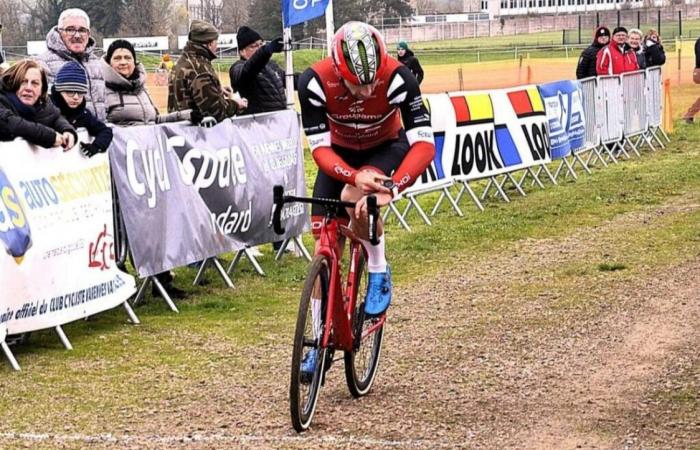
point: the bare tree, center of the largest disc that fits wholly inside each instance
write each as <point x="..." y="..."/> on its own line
<point x="14" y="29"/>
<point x="234" y="14"/>
<point x="147" y="17"/>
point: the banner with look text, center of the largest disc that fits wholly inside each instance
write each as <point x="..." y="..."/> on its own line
<point x="57" y="260"/>
<point x="189" y="193"/>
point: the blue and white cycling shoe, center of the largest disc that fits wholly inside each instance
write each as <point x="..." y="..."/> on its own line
<point x="378" y="293"/>
<point x="308" y="366"/>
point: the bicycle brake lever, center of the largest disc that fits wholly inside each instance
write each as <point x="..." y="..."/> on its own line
<point x="373" y="216"/>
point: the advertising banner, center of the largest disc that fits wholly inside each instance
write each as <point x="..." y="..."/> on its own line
<point x="141" y="43"/>
<point x="564" y="108"/>
<point x="56" y="240"/>
<point x="189" y="193"/>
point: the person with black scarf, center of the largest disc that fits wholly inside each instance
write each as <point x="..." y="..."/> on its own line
<point x="25" y="111"/>
<point x="68" y="94"/>
<point x="408" y="59"/>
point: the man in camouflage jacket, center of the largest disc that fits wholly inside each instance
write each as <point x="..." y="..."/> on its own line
<point x="193" y="83"/>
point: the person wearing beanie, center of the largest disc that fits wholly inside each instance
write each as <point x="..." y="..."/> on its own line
<point x="586" y="66"/>
<point x="127" y="99"/>
<point x="255" y="76"/>
<point x="68" y="94"/>
<point x="408" y="59"/>
<point x="617" y="57"/>
<point x="259" y="79"/>
<point x="193" y="83"/>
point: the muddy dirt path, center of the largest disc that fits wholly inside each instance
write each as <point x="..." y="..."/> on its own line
<point x="532" y="348"/>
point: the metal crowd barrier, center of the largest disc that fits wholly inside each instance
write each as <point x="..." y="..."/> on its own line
<point x="635" y="111"/>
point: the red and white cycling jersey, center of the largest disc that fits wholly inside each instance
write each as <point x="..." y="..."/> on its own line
<point x="332" y="117"/>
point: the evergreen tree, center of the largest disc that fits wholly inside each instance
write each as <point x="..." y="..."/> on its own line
<point x="105" y="15"/>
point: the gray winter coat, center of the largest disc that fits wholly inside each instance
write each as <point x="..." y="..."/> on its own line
<point x="58" y="54"/>
<point x="128" y="101"/>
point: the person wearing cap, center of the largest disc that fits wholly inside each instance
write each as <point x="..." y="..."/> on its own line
<point x="255" y="76"/>
<point x="586" y="66"/>
<point x="27" y="113"/>
<point x="70" y="40"/>
<point x="194" y="84"/>
<point x="617" y="57"/>
<point x="408" y="59"/>
<point x="127" y="99"/>
<point x="68" y="94"/>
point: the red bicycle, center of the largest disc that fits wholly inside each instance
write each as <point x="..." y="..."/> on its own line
<point x="330" y="316"/>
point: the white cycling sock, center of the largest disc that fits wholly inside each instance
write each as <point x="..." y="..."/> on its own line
<point x="376" y="258"/>
<point x="317" y="329"/>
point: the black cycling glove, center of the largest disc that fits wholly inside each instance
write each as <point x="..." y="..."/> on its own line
<point x="90" y="149"/>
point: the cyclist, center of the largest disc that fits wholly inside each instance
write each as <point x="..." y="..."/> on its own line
<point x="353" y="104"/>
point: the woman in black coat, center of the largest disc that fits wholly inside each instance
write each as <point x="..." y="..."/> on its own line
<point x="653" y="50"/>
<point x="26" y="112"/>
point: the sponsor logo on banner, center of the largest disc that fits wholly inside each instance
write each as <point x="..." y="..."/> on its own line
<point x="565" y="116"/>
<point x="529" y="108"/>
<point x="14" y="226"/>
<point x="475" y="149"/>
<point x="101" y="250"/>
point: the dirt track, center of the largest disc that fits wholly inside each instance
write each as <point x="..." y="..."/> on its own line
<point x="493" y="354"/>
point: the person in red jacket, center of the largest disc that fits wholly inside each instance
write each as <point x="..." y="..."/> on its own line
<point x="617" y="57"/>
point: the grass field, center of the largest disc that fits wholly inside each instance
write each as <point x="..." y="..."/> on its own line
<point x="120" y="377"/>
<point x="123" y="379"/>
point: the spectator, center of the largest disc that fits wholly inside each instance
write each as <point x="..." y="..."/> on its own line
<point x="653" y="50"/>
<point x="408" y="59"/>
<point x="128" y="103"/>
<point x="70" y="41"/>
<point x="25" y="111"/>
<point x="166" y="63"/>
<point x="689" y="116"/>
<point x="635" y="43"/>
<point x="68" y="94"/>
<point x="254" y="76"/>
<point x="127" y="100"/>
<point x="193" y="83"/>
<point x="617" y="57"/>
<point x="587" y="61"/>
<point x="258" y="79"/>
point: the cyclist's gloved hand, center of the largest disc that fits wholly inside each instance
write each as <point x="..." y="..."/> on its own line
<point x="276" y="45"/>
<point x="90" y="149"/>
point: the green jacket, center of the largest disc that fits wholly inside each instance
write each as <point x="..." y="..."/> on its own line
<point x="194" y="85"/>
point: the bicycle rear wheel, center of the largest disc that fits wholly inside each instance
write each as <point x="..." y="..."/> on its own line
<point x="304" y="389"/>
<point x="361" y="364"/>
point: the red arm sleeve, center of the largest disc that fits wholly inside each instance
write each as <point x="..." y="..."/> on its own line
<point x="414" y="164"/>
<point x="330" y="163"/>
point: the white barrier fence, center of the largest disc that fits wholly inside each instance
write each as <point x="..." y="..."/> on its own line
<point x="482" y="136"/>
<point x="620" y="114"/>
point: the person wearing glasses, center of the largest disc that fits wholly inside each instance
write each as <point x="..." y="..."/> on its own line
<point x="70" y="41"/>
<point x="68" y="94"/>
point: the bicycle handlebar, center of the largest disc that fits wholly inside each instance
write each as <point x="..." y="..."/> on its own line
<point x="279" y="199"/>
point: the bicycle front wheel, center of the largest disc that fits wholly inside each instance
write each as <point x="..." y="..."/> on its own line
<point x="361" y="364"/>
<point x="308" y="358"/>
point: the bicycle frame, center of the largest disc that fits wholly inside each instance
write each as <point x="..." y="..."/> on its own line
<point x="341" y="302"/>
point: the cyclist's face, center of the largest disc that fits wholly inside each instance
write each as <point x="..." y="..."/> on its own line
<point x="361" y="92"/>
